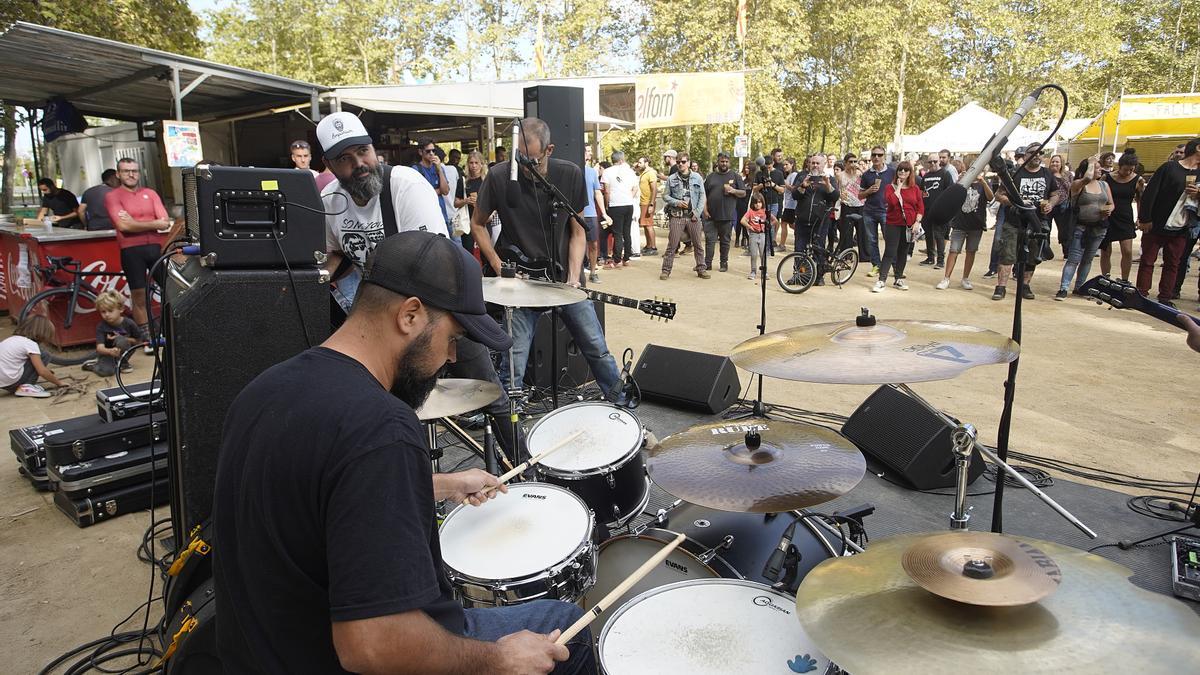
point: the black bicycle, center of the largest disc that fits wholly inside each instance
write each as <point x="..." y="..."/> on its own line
<point x="798" y="271"/>
<point x="64" y="299"/>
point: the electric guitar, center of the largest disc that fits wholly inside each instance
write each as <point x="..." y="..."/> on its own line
<point x="543" y="268"/>
<point x="1124" y="295"/>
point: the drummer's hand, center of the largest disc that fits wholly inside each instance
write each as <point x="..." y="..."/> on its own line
<point x="528" y="652"/>
<point x="471" y="484"/>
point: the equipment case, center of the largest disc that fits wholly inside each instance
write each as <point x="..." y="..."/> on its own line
<point x="99" y="438"/>
<point x="114" y="404"/>
<point x="87" y="511"/>
<point x="104" y="474"/>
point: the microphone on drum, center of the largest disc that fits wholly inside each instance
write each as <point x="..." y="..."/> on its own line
<point x="773" y="570"/>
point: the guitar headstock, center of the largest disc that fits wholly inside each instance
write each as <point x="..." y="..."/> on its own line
<point x="1114" y="292"/>
<point x="658" y="307"/>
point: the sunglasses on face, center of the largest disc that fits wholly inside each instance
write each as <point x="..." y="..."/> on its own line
<point x="428" y="151"/>
<point x="903" y="171"/>
<point x="877" y="154"/>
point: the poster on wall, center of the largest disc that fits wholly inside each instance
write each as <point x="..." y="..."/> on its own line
<point x="678" y="99"/>
<point x="182" y="141"/>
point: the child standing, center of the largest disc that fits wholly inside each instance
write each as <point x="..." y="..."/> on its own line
<point x="23" y="361"/>
<point x="755" y="221"/>
<point x="115" y="334"/>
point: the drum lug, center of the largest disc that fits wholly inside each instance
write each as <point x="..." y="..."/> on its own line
<point x="726" y="543"/>
<point x="612" y="482"/>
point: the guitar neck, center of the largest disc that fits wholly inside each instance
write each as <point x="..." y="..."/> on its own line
<point x="611" y="299"/>
<point x="1164" y="313"/>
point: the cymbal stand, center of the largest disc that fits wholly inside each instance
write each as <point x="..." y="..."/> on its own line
<point x="991" y="456"/>
<point x="514" y="386"/>
<point x="964" y="440"/>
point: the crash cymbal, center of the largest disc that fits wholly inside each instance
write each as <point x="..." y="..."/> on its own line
<point x="981" y="568"/>
<point x="516" y="292"/>
<point x="889" y="352"/>
<point x="794" y="466"/>
<point x="868" y="616"/>
<point x="453" y="396"/>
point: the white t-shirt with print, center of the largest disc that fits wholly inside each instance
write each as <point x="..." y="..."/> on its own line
<point x="355" y="232"/>
<point x="622" y="184"/>
<point x="14" y="352"/>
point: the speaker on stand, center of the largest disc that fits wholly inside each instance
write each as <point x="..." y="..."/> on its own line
<point x="561" y="108"/>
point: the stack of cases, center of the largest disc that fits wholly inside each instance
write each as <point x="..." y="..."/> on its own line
<point x="99" y="467"/>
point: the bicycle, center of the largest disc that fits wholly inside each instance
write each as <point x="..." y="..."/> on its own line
<point x="65" y="299"/>
<point x="798" y="271"/>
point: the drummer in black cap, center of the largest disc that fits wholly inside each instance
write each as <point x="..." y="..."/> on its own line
<point x="327" y="552"/>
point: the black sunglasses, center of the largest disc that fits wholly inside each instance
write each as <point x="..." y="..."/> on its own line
<point x="877" y="154"/>
<point x="429" y="151"/>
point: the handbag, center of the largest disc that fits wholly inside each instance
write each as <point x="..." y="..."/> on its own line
<point x="461" y="222"/>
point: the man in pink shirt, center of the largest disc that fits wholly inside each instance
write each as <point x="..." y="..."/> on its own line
<point x="140" y="219"/>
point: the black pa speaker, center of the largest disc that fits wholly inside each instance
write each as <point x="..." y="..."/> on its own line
<point x="223" y="328"/>
<point x="901" y="433"/>
<point x="573" y="369"/>
<point x="686" y="379"/>
<point x="561" y="108"/>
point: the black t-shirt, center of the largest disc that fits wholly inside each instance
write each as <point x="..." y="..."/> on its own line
<point x="972" y="217"/>
<point x="61" y="202"/>
<point x="525" y="225"/>
<point x="127" y="328"/>
<point x="97" y="213"/>
<point x="1033" y="186"/>
<point x="324" y="512"/>
<point x="720" y="205"/>
<point x="466" y="188"/>
<point x="768" y="179"/>
<point x="1161" y="195"/>
<point x="932" y="184"/>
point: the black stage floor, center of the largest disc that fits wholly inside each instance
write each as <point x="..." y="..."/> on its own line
<point x="899" y="510"/>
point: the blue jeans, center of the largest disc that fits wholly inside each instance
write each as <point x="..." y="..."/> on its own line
<point x="814" y="233"/>
<point x="540" y="616"/>
<point x="772" y="210"/>
<point x="579" y="318"/>
<point x="868" y="229"/>
<point x="1085" y="241"/>
<point x="994" y="261"/>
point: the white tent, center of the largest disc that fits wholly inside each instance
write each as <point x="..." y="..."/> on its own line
<point x="966" y="130"/>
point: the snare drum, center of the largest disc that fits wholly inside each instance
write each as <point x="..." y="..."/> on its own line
<point x="604" y="466"/>
<point x="533" y="543"/>
<point x="709" y="626"/>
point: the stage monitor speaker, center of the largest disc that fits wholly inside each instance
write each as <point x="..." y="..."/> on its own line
<point x="680" y="378"/>
<point x="562" y="109"/>
<point x="223" y="328"/>
<point x="902" y="434"/>
<point x="572" y="366"/>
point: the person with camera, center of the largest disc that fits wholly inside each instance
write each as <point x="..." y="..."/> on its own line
<point x="816" y="195"/>
<point x="1037" y="186"/>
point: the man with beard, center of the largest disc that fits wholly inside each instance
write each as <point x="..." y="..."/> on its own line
<point x="324" y="506"/>
<point x="723" y="188"/>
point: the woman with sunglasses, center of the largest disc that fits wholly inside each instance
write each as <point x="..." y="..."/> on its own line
<point x="905" y="207"/>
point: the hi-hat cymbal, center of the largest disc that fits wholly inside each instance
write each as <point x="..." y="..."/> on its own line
<point x="453" y="396"/>
<point x="794" y="466"/>
<point x="868" y="616"/>
<point x="890" y="352"/>
<point x="981" y="568"/>
<point x="516" y="292"/>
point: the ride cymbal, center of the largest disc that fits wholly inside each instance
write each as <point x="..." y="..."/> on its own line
<point x="888" y="352"/>
<point x="453" y="396"/>
<point x="981" y="568"/>
<point x="514" y="292"/>
<point x="793" y="466"/>
<point x="868" y="616"/>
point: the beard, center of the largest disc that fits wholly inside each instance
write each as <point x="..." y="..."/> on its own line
<point x="364" y="184"/>
<point x="411" y="385"/>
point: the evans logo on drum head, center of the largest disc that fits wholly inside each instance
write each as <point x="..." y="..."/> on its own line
<point x="530" y="495"/>
<point x="676" y="566"/>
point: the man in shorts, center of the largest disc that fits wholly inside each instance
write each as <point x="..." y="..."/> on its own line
<point x="141" y="222"/>
<point x="967" y="228"/>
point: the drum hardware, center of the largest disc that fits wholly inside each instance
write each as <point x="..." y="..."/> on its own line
<point x="516" y="471"/>
<point x="964" y="440"/>
<point x="660" y="517"/>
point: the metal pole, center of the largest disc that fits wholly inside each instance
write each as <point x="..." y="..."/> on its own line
<point x="33" y="144"/>
<point x="964" y="440"/>
<point x="175" y="94"/>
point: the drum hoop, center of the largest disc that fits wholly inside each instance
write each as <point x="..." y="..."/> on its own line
<point x="570" y="474"/>
<point x="685" y="547"/>
<point x="577" y="553"/>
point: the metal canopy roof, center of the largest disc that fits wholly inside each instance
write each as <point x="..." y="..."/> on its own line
<point x="116" y="80"/>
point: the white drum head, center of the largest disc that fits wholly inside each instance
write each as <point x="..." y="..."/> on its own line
<point x="609" y="435"/>
<point x="531" y="529"/>
<point x="712" y="626"/>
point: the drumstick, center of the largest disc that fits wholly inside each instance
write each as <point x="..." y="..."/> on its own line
<point x="616" y="593"/>
<point x="504" y="478"/>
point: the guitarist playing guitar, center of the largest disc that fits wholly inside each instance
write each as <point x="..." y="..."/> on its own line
<point x="526" y="216"/>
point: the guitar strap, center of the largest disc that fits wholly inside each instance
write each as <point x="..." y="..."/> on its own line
<point x="386" y="208"/>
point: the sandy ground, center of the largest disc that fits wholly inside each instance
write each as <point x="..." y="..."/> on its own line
<point x="1096" y="386"/>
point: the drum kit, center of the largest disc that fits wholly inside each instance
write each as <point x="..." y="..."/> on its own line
<point x="698" y="590"/>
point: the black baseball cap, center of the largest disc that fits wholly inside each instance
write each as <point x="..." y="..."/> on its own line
<point x="442" y="274"/>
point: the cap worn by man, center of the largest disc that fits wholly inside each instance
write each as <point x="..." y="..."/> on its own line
<point x="442" y="274"/>
<point x="671" y="153"/>
<point x="339" y="131"/>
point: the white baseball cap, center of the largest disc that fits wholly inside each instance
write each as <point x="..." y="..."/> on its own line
<point x="340" y="130"/>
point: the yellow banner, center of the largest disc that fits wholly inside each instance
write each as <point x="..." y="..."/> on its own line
<point x="674" y="99"/>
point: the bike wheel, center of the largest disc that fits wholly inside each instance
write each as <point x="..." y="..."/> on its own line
<point x="844" y="265"/>
<point x="54" y="304"/>
<point x="796" y="272"/>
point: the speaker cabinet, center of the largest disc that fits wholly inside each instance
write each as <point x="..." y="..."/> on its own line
<point x="562" y="109"/>
<point x="693" y="380"/>
<point x="223" y="328"/>
<point x="573" y="369"/>
<point x="899" y="432"/>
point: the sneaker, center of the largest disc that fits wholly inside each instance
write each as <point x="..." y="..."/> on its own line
<point x="1061" y="295"/>
<point x="664" y="276"/>
<point x="899" y="283"/>
<point x="90" y="365"/>
<point x="927" y="261"/>
<point x="939" y="265"/>
<point x="608" y="265"/>
<point x="820" y="281"/>
<point x="874" y="271"/>
<point x="943" y="284"/>
<point x="649" y="252"/>
<point x="703" y="274"/>
<point x="626" y="263"/>
<point x="966" y="284"/>
<point x="724" y="267"/>
<point x="126" y="367"/>
<point x="878" y="287"/>
<point x="594" y="277"/>
<point x="635" y="255"/>
<point x="32" y="391"/>
<point x="752" y="276"/>
<point x="989" y="274"/>
<point x="1027" y="293"/>
<point x="148" y="349"/>
<point x="998" y="294"/>
<point x="1167" y="303"/>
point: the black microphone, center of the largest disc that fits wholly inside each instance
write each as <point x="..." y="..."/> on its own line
<point x="773" y="570"/>
<point x="942" y="209"/>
